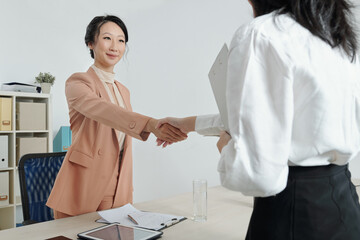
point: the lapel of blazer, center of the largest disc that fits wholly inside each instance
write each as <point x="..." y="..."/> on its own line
<point x="99" y="85"/>
<point x="124" y="94"/>
<point x="126" y="97"/>
<point x="103" y="94"/>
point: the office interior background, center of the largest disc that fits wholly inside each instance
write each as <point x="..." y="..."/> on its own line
<point x="172" y="45"/>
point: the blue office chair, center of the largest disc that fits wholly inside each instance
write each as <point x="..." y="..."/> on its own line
<point x="37" y="173"/>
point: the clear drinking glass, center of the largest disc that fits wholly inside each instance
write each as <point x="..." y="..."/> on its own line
<point x="199" y="200"/>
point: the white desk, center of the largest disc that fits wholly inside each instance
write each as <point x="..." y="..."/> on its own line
<point x="228" y="216"/>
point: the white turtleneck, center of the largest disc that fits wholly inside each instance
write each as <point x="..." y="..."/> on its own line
<point x="108" y="80"/>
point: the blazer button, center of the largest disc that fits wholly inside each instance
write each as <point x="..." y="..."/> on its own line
<point x="132" y="125"/>
<point x="99" y="152"/>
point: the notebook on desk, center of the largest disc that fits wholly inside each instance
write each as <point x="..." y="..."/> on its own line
<point x="128" y="215"/>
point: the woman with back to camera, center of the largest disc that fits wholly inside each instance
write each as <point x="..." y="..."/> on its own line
<point x="293" y="99"/>
<point x="97" y="171"/>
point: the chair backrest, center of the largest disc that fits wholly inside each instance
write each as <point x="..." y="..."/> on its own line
<point x="37" y="173"/>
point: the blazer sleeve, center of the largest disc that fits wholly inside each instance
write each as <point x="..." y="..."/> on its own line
<point x="81" y="96"/>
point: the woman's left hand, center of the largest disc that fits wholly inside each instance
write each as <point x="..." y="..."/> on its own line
<point x="223" y="141"/>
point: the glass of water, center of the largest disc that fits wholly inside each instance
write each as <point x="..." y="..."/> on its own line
<point x="199" y="200"/>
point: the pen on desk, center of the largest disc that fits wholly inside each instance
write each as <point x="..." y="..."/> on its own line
<point x="133" y="220"/>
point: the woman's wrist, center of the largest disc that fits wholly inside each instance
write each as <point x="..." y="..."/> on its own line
<point x="150" y="125"/>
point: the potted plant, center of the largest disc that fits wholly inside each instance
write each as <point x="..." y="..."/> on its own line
<point x="46" y="80"/>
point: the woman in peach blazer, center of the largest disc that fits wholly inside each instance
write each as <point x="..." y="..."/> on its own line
<point x="95" y="161"/>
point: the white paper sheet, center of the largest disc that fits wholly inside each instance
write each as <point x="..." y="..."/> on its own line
<point x="149" y="220"/>
<point x="119" y="215"/>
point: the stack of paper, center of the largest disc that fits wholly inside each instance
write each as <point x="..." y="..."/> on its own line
<point x="20" y="87"/>
<point x="130" y="216"/>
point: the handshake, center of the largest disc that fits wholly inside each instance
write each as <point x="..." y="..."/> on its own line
<point x="170" y="130"/>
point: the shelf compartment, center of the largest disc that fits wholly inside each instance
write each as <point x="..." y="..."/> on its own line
<point x="31" y="115"/>
<point x="30" y="144"/>
<point x="7" y="219"/>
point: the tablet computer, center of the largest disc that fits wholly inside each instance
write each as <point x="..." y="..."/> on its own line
<point x="116" y="232"/>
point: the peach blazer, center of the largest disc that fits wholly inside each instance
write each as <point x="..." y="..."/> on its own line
<point x="90" y="161"/>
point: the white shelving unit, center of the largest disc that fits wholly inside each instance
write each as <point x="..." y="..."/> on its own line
<point x="12" y="213"/>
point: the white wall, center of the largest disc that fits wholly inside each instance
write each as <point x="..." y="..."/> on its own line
<point x="172" y="44"/>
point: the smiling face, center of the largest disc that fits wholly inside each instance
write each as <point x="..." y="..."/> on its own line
<point x="109" y="46"/>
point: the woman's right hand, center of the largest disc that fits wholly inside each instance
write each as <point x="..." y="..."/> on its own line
<point x="186" y="125"/>
<point x="165" y="132"/>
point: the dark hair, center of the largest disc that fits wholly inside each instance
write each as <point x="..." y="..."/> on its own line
<point x="330" y="20"/>
<point x="93" y="29"/>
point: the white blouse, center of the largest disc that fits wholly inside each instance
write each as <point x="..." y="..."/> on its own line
<point x="292" y="100"/>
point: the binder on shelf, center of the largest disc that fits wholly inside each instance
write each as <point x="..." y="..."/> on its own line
<point x="25" y="145"/>
<point x="4" y="154"/>
<point x="130" y="216"/>
<point x="4" y="188"/>
<point x="20" y="87"/>
<point x="62" y="140"/>
<point x="30" y="116"/>
<point x="5" y="113"/>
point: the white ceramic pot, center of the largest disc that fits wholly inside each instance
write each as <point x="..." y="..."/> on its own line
<point x="45" y="87"/>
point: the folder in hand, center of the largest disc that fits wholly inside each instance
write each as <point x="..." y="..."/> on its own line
<point x="217" y="76"/>
<point x="130" y="216"/>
